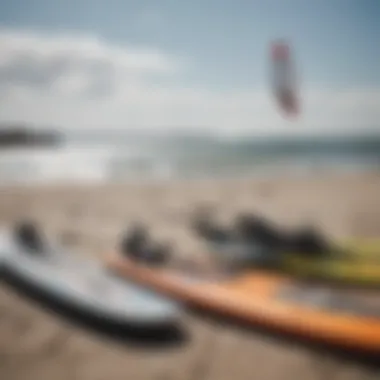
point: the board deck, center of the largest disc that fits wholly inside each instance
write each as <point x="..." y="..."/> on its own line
<point x="86" y="285"/>
<point x="361" y="266"/>
<point x="270" y="300"/>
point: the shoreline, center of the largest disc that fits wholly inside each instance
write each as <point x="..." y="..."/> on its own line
<point x="318" y="174"/>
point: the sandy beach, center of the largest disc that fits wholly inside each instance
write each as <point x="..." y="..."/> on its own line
<point x="89" y="219"/>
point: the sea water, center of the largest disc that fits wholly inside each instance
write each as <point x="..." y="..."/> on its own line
<point x="99" y="157"/>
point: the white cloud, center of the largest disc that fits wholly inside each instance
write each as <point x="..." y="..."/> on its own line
<point x="39" y="61"/>
<point x="82" y="81"/>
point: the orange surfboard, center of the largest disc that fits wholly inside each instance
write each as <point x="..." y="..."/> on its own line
<point x="269" y="300"/>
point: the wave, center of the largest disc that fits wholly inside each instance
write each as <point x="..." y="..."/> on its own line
<point x="55" y="165"/>
<point x="80" y="164"/>
<point x="106" y="162"/>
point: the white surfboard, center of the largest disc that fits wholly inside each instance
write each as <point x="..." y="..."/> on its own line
<point x="85" y="285"/>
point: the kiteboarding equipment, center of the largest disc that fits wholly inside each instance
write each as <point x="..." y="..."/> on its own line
<point x="283" y="78"/>
<point x="306" y="253"/>
<point x="276" y="302"/>
<point x="137" y="244"/>
<point x="79" y="283"/>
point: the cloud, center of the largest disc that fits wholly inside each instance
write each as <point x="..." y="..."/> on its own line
<point x="78" y="64"/>
<point x="83" y="81"/>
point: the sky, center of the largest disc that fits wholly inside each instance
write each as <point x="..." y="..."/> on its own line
<point x="179" y="64"/>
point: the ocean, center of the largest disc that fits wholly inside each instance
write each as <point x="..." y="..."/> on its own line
<point x="105" y="156"/>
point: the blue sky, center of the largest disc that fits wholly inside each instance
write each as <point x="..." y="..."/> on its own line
<point x="336" y="42"/>
<point x="224" y="42"/>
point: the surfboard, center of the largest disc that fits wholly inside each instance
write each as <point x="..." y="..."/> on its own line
<point x="85" y="286"/>
<point x="355" y="263"/>
<point x="276" y="302"/>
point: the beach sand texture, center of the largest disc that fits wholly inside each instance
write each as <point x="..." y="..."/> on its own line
<point x="37" y="345"/>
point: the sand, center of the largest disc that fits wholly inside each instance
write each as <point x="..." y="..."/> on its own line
<point x="37" y="345"/>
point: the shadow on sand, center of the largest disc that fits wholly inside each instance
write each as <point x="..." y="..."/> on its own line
<point x="168" y="335"/>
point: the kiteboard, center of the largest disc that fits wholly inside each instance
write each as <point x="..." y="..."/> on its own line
<point x="84" y="285"/>
<point x="350" y="263"/>
<point x="273" y="301"/>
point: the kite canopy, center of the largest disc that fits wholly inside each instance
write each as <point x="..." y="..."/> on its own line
<point x="283" y="76"/>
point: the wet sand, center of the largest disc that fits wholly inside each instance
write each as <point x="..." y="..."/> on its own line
<point x="37" y="345"/>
